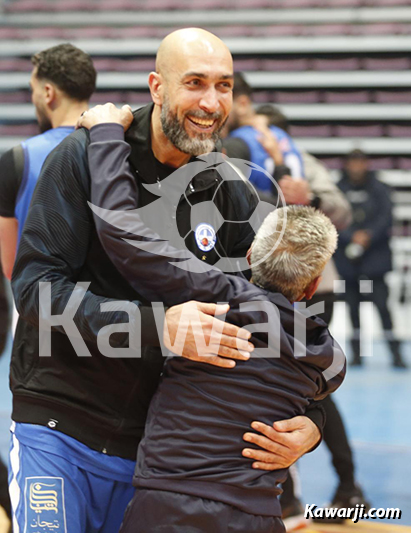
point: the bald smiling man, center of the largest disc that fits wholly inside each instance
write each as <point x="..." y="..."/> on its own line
<point x="79" y="415"/>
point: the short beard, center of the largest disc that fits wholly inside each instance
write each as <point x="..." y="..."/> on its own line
<point x="44" y="123"/>
<point x="175" y="132"/>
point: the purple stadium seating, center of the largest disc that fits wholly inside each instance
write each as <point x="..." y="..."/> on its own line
<point x="318" y="130"/>
<point x="393" y="97"/>
<point x="132" y="65"/>
<point x="255" y="4"/>
<point x="277" y="30"/>
<point x="386" y="3"/>
<point x="347" y="97"/>
<point x="387" y="63"/>
<point x="20" y="130"/>
<point x="15" y="97"/>
<point x="333" y="163"/>
<point x="395" y="130"/>
<point x="371" y="130"/>
<point x="27" y="5"/>
<point x="52" y="32"/>
<point x="15" y="64"/>
<point x="383" y="28"/>
<point x="134" y="32"/>
<point x="9" y="33"/>
<point x="341" y="3"/>
<point x="304" y="97"/>
<point x="241" y="65"/>
<point x="288" y="4"/>
<point x="381" y="163"/>
<point x="133" y="97"/>
<point x="404" y="163"/>
<point x="278" y="65"/>
<point x="350" y="63"/>
<point x="263" y="97"/>
<point x="327" y="29"/>
<point x="105" y="97"/>
<point x="232" y="31"/>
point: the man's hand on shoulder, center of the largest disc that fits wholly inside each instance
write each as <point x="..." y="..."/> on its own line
<point x="192" y="331"/>
<point x="283" y="443"/>
<point x="104" y="114"/>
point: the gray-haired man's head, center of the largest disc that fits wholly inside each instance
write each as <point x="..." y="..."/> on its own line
<point x="296" y="263"/>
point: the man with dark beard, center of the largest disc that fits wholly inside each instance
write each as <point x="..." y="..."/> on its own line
<point x="62" y="82"/>
<point x="88" y="410"/>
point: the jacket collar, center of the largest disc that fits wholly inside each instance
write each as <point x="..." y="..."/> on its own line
<point x="142" y="158"/>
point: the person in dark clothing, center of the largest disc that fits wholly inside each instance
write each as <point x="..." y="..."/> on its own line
<point x="210" y="476"/>
<point x="86" y="409"/>
<point x="364" y="249"/>
<point x="320" y="190"/>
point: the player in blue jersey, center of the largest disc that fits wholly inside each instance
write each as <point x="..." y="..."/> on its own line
<point x="249" y="139"/>
<point x="62" y="82"/>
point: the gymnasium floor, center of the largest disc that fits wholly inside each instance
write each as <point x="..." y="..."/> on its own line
<point x="375" y="401"/>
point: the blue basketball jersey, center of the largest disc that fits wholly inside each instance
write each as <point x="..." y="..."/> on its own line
<point x="35" y="151"/>
<point x="291" y="154"/>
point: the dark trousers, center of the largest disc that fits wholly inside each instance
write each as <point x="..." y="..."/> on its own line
<point x="335" y="436"/>
<point x="379" y="297"/>
<point x="156" y="511"/>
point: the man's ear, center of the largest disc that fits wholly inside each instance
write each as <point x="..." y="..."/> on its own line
<point x="248" y="255"/>
<point x="155" y="83"/>
<point x="50" y="93"/>
<point x="312" y="287"/>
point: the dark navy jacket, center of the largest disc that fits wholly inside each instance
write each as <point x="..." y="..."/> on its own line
<point x="100" y="401"/>
<point x="372" y="210"/>
<point x="193" y="437"/>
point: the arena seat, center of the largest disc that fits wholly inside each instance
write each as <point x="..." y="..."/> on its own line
<point x="388" y="97"/>
<point x="370" y="130"/>
<point x="327" y="29"/>
<point x="14" y="97"/>
<point x="303" y="97"/>
<point x="278" y="65"/>
<point x="278" y="30"/>
<point x="326" y="64"/>
<point x="24" y="130"/>
<point x="404" y="163"/>
<point x="389" y="63"/>
<point x="381" y="163"/>
<point x="16" y="64"/>
<point x="347" y="97"/>
<point x="388" y="28"/>
<point x="318" y="130"/>
<point x="396" y="130"/>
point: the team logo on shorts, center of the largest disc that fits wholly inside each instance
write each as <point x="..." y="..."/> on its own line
<point x="205" y="237"/>
<point x="44" y="500"/>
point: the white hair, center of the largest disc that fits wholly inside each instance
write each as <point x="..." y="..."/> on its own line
<point x="308" y="242"/>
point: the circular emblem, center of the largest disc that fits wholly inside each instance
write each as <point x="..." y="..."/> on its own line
<point x="205" y="237"/>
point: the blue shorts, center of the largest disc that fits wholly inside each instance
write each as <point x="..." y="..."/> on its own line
<point x="59" y="485"/>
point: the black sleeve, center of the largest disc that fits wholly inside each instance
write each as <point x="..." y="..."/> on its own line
<point x="11" y="174"/>
<point x="138" y="253"/>
<point x="316" y="413"/>
<point x="236" y="148"/>
<point x="55" y="242"/>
